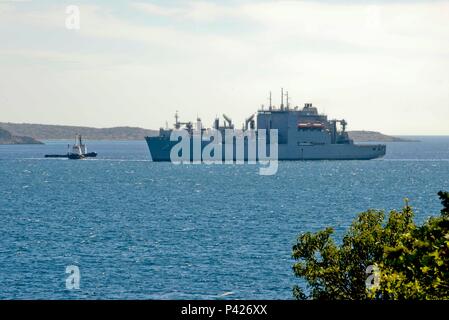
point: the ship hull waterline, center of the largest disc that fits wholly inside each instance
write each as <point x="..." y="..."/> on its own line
<point x="160" y="150"/>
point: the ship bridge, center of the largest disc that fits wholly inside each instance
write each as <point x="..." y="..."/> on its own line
<point x="304" y="125"/>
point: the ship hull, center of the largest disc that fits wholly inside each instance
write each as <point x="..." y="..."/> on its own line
<point x="160" y="151"/>
<point x="72" y="156"/>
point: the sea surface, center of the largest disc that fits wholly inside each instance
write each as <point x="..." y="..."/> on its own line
<point x="143" y="230"/>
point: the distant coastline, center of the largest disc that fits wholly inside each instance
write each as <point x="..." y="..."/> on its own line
<point x="61" y="132"/>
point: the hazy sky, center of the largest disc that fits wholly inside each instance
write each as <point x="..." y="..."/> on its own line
<point x="381" y="65"/>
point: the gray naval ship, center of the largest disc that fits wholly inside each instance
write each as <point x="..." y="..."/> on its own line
<point x="303" y="134"/>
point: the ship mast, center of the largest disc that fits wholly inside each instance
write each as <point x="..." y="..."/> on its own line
<point x="177" y="124"/>
<point x="282" y="98"/>
<point x="271" y="105"/>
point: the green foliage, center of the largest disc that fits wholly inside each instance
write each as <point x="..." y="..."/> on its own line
<point x="413" y="260"/>
<point x="444" y="196"/>
<point x="418" y="267"/>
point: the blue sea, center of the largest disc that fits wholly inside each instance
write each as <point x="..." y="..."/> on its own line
<point x="143" y="230"/>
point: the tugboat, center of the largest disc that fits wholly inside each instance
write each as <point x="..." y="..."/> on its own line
<point x="79" y="151"/>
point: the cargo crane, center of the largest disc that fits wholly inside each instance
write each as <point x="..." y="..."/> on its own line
<point x="343" y="135"/>
<point x="251" y="122"/>
<point x="229" y="121"/>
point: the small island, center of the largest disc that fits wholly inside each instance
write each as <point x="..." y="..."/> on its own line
<point x="374" y="136"/>
<point x="7" y="138"/>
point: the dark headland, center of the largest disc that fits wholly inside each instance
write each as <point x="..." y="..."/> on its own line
<point x="7" y="138"/>
<point x="55" y="132"/>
